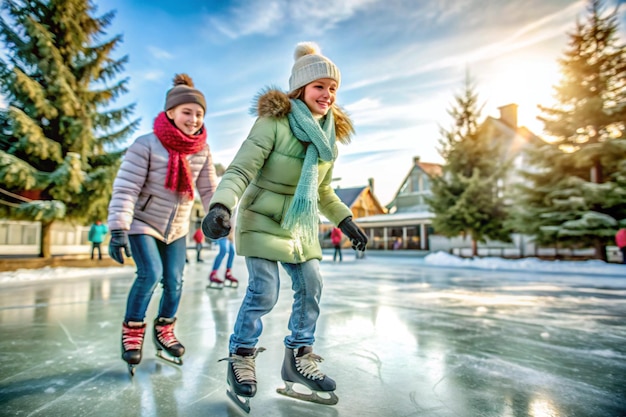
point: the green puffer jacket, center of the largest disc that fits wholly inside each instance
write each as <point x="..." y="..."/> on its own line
<point x="264" y="175"/>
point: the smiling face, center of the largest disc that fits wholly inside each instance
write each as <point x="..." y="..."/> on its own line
<point x="187" y="117"/>
<point x="319" y="95"/>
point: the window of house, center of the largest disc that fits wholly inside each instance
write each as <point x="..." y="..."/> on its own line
<point x="412" y="237"/>
<point x="377" y="235"/>
<point x="415" y="181"/>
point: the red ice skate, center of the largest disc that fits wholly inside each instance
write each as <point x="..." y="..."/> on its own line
<point x="132" y="342"/>
<point x="230" y="280"/>
<point x="165" y="340"/>
<point x="214" y="281"/>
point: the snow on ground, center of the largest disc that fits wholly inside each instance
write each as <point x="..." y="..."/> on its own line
<point x="591" y="267"/>
<point x="47" y="273"/>
<point x="439" y="259"/>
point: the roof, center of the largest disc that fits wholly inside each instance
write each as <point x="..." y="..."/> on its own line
<point x="348" y="196"/>
<point x="513" y="139"/>
<point x="433" y="170"/>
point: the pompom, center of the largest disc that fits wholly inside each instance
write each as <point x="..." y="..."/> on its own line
<point x="183" y="79"/>
<point x="306" y="48"/>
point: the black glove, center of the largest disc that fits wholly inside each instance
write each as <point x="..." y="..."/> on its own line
<point x="354" y="233"/>
<point x="119" y="241"/>
<point x="216" y="223"/>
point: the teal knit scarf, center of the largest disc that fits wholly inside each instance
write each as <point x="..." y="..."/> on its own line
<point x="302" y="217"/>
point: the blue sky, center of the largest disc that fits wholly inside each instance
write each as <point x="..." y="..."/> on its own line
<point x="402" y="61"/>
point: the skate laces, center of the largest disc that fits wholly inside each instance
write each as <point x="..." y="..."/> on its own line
<point x="243" y="366"/>
<point x="307" y="366"/>
<point x="132" y="337"/>
<point x="165" y="334"/>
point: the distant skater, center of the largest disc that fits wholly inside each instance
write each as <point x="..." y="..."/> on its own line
<point x="226" y="249"/>
<point x="335" y="239"/>
<point x="198" y="237"/>
<point x="620" y="240"/>
<point x="97" y="232"/>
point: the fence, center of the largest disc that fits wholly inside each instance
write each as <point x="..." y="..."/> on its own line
<point x="24" y="238"/>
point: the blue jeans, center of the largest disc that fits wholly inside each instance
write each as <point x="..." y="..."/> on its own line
<point x="156" y="262"/>
<point x="226" y="246"/>
<point x="262" y="295"/>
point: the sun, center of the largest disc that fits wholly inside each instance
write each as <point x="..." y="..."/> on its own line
<point x="526" y="81"/>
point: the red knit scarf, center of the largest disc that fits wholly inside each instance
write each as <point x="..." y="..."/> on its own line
<point x="178" y="145"/>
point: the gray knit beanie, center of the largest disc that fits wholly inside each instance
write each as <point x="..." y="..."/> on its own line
<point x="183" y="92"/>
<point x="311" y="65"/>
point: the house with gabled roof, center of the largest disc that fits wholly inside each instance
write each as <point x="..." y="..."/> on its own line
<point x="408" y="223"/>
<point x="409" y="216"/>
<point x="360" y="200"/>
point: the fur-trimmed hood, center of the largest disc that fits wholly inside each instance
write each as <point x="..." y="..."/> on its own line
<point x="272" y="102"/>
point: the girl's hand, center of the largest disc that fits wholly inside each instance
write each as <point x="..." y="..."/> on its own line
<point x="354" y="233"/>
<point x="216" y="223"/>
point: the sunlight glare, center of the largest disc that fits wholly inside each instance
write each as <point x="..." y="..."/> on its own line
<point x="526" y="82"/>
<point x="541" y="407"/>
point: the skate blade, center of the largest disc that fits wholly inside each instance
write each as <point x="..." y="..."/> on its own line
<point x="131" y="369"/>
<point x="170" y="359"/>
<point x="318" y="397"/>
<point x="231" y="284"/>
<point x="242" y="402"/>
<point x="215" y="286"/>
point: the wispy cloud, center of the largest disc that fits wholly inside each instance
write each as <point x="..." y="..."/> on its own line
<point x="417" y="58"/>
<point x="154" y="75"/>
<point x="270" y="17"/>
<point x="159" y="53"/>
<point x="228" y="112"/>
<point x="308" y="15"/>
<point x="249" y="18"/>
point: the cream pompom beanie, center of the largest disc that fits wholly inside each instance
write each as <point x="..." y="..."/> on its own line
<point x="311" y="65"/>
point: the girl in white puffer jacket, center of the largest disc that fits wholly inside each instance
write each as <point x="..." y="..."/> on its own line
<point x="149" y="214"/>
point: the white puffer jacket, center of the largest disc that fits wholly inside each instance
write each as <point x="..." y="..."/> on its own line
<point x="140" y="202"/>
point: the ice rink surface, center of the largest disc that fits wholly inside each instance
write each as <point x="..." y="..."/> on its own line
<point x="400" y="337"/>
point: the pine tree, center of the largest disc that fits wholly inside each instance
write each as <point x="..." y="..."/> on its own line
<point x="466" y="199"/>
<point x="59" y="80"/>
<point x="575" y="194"/>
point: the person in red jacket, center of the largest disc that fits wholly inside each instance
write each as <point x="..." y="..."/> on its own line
<point x="198" y="237"/>
<point x="620" y="240"/>
<point x="335" y="238"/>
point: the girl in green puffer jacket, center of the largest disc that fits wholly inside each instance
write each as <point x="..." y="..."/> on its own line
<point x="279" y="179"/>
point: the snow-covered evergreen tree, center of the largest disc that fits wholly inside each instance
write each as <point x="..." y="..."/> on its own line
<point x="59" y="80"/>
<point x="574" y="195"/>
<point x="466" y="199"/>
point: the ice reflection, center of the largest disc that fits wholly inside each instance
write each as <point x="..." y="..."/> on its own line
<point x="542" y="407"/>
<point x="391" y="329"/>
